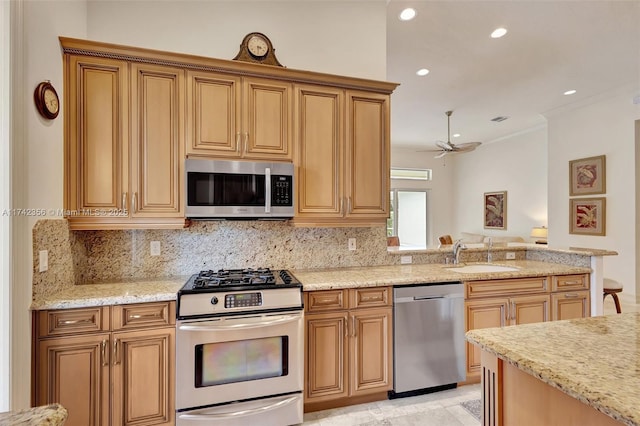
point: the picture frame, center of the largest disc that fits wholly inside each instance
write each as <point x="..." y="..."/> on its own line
<point x="587" y="216"/>
<point x="495" y="210"/>
<point x="587" y="176"/>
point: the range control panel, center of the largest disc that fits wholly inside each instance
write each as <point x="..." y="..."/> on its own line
<point x="242" y="300"/>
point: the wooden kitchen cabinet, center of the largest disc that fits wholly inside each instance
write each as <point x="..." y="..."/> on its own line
<point x="348" y="351"/>
<point x="342" y="161"/>
<point x="121" y="372"/>
<point x="570" y="305"/>
<point x="124" y="150"/>
<point x="238" y="117"/>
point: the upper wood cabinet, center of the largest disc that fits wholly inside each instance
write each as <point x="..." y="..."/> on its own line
<point x="238" y="117"/>
<point x="133" y="115"/>
<point x="124" y="163"/>
<point x="342" y="161"/>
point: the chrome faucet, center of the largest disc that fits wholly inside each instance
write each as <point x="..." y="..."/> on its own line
<point x="489" y="246"/>
<point x="457" y="247"/>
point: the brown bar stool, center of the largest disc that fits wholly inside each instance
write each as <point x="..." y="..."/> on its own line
<point x="612" y="287"/>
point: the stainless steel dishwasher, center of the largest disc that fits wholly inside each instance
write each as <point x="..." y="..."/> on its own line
<point x="429" y="343"/>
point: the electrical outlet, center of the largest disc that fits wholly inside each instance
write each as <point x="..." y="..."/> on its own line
<point x="352" y="244"/>
<point x="155" y="248"/>
<point x="510" y="255"/>
<point x="405" y="259"/>
<point x="44" y="260"/>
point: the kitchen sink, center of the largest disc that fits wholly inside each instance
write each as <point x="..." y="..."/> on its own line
<point x="480" y="268"/>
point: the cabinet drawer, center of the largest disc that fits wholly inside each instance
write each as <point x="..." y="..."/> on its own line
<point x="369" y="297"/>
<point x="71" y="321"/>
<point x="570" y="282"/>
<point x="326" y="300"/>
<point x="155" y="314"/>
<point x="475" y="289"/>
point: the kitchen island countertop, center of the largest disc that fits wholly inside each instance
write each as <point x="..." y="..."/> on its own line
<point x="45" y="415"/>
<point x="594" y="360"/>
<point x="373" y="276"/>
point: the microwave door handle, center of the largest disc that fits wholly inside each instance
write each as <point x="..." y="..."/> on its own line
<point x="267" y="190"/>
<point x="240" y="413"/>
<point x="239" y="326"/>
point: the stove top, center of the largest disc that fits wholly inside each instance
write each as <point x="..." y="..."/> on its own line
<point x="239" y="279"/>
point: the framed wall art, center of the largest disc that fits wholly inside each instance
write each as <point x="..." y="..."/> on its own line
<point x="587" y="216"/>
<point x="587" y="176"/>
<point x="495" y="210"/>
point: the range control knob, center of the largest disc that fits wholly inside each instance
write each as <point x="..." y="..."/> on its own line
<point x="214" y="300"/>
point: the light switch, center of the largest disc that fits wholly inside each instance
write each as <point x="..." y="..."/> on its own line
<point x="44" y="260"/>
<point x="510" y="255"/>
<point x="352" y="244"/>
<point x="155" y="248"/>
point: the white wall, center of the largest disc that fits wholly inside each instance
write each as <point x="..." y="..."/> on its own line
<point x="345" y="38"/>
<point x="604" y="127"/>
<point x="517" y="165"/>
<point x="439" y="198"/>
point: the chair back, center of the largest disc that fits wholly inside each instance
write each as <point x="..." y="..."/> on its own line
<point x="393" y="241"/>
<point x="445" y="240"/>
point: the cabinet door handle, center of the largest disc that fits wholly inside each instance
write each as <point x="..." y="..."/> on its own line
<point x="103" y="353"/>
<point x="134" y="202"/>
<point x="353" y="320"/>
<point x="149" y="316"/>
<point x="572" y="282"/>
<point x="348" y="204"/>
<point x="571" y="295"/>
<point x="115" y="352"/>
<point x="246" y="141"/>
<point x="238" y="143"/>
<point x="504" y="314"/>
<point x="512" y="308"/>
<point x="346" y="327"/>
<point x="79" y="321"/>
<point x="124" y="201"/>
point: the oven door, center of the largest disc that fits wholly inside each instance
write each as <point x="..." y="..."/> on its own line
<point x="228" y="359"/>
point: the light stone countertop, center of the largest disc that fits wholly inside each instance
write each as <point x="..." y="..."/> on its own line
<point x="85" y="295"/>
<point x="584" y="251"/>
<point x="160" y="289"/>
<point x="595" y="360"/>
<point x="373" y="276"/>
<point x="45" y="415"/>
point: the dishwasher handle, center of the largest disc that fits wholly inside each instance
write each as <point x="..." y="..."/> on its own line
<point x="411" y="299"/>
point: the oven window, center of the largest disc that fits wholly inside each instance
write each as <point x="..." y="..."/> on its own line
<point x="222" y="189"/>
<point x="241" y="361"/>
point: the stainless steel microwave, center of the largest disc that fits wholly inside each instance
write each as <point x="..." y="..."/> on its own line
<point x="228" y="189"/>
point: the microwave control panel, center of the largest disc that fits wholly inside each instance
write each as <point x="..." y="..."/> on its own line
<point x="281" y="190"/>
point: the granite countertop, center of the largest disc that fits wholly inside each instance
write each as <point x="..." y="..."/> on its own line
<point x="84" y="295"/>
<point x="46" y="415"/>
<point x="373" y="276"/>
<point x="594" y="360"/>
<point x="584" y="251"/>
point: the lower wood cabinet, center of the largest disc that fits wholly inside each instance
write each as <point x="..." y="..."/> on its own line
<point x="497" y="303"/>
<point x="122" y="374"/>
<point x="348" y="346"/>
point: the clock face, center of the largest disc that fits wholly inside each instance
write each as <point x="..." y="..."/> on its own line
<point x="258" y="46"/>
<point x="51" y="101"/>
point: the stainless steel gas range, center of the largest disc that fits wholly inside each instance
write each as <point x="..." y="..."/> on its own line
<point x="239" y="349"/>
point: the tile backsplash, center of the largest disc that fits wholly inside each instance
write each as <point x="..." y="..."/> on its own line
<point x="79" y="257"/>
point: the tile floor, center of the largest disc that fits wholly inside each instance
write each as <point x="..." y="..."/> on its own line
<point x="438" y="409"/>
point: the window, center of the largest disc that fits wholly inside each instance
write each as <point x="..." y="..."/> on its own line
<point x="408" y="217"/>
<point x="411" y="174"/>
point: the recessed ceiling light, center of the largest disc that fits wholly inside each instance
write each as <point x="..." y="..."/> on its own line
<point x="408" y="14"/>
<point x="498" y="32"/>
<point x="422" y="72"/>
<point x="456" y="135"/>
<point x="570" y="92"/>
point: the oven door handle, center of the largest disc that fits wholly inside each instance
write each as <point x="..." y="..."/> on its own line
<point x="240" y="413"/>
<point x="240" y="326"/>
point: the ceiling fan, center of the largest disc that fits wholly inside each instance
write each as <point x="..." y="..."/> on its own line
<point x="444" y="148"/>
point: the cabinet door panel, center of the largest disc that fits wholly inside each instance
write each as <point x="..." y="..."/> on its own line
<point x="97" y="154"/>
<point x="575" y="304"/>
<point x="267" y="119"/>
<point x="74" y="371"/>
<point x="142" y="375"/>
<point x="482" y="314"/>
<point x="529" y="309"/>
<point x="213" y="114"/>
<point x="367" y="157"/>
<point x="371" y="363"/>
<point x="326" y="369"/>
<point x="319" y="124"/>
<point x="158" y="140"/>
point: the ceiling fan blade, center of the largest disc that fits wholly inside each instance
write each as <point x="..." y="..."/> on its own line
<point x="431" y="150"/>
<point x="466" y="147"/>
<point x="442" y="154"/>
<point x="447" y="146"/>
